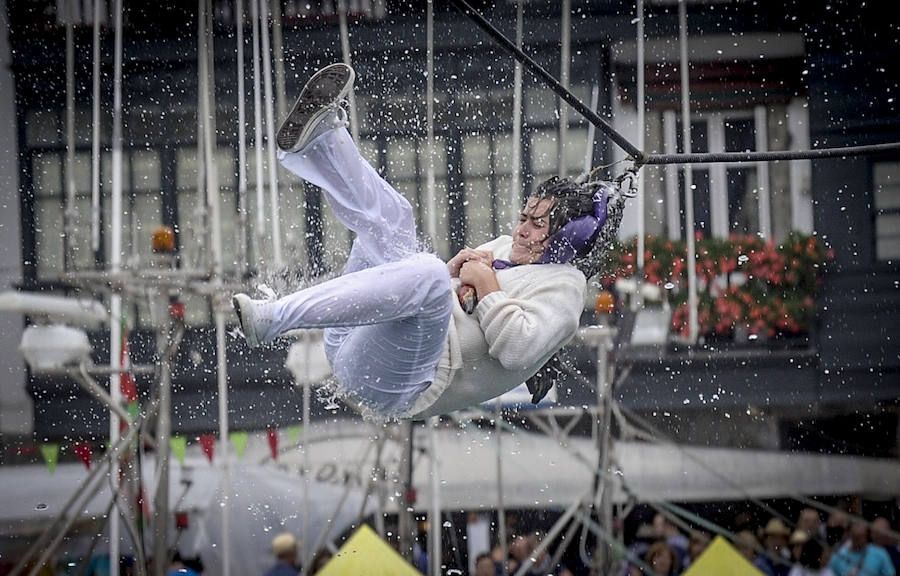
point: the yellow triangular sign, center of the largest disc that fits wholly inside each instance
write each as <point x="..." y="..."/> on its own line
<point x="721" y="559"/>
<point x="366" y="554"/>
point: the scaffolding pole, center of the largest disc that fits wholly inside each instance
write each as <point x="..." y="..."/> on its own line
<point x="515" y="183"/>
<point x="641" y="132"/>
<point x="115" y="326"/>
<point x="688" y="175"/>
<point x="242" y="141"/>
<point x="270" y="137"/>
<point x="565" y="41"/>
<point x="260" y="227"/>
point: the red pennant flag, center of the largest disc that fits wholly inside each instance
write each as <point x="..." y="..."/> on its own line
<point x="126" y="380"/>
<point x="272" y="435"/>
<point x="208" y="442"/>
<point x="83" y="451"/>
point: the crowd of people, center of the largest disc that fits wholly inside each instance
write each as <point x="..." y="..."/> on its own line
<point x="840" y="546"/>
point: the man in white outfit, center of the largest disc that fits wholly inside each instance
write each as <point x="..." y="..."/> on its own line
<point x="399" y="341"/>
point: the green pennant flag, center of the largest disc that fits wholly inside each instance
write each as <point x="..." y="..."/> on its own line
<point x="51" y="455"/>
<point x="178" y="445"/>
<point x="239" y="441"/>
<point x="134" y="410"/>
<point x="293" y="433"/>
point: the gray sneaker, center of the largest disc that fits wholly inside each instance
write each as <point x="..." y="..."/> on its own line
<point x="320" y="97"/>
<point x="254" y="317"/>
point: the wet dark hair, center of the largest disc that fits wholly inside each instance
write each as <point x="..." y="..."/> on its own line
<point x="811" y="554"/>
<point x="570" y="201"/>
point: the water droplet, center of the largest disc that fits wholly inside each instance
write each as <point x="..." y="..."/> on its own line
<point x="41" y="506"/>
<point x="668" y="285"/>
<point x="743" y="258"/>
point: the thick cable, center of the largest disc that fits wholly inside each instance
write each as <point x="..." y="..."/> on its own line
<point x="772" y="156"/>
<point x="548" y="79"/>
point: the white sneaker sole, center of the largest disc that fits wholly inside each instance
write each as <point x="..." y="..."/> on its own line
<point x="326" y="88"/>
<point x="243" y="307"/>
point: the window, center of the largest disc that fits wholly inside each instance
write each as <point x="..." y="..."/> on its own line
<point x="407" y="169"/>
<point x="729" y="197"/>
<point x="886" y="180"/>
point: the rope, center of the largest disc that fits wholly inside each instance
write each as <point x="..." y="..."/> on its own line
<point x="715" y="157"/>
<point x="548" y="79"/>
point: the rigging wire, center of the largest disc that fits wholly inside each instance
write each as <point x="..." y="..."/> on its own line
<point x="638" y="156"/>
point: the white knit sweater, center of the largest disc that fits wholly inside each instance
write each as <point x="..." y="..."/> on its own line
<point x="512" y="333"/>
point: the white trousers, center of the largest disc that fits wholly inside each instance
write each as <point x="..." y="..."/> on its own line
<point x="386" y="317"/>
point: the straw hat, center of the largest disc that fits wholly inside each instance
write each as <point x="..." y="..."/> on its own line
<point x="284" y="543"/>
<point x="776" y="527"/>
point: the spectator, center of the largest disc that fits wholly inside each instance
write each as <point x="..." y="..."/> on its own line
<point x="319" y="561"/>
<point x="668" y="532"/>
<point x="748" y="545"/>
<point x="541" y="565"/>
<point x="796" y="542"/>
<point x="484" y="565"/>
<point x="178" y="567"/>
<point x="811" y="561"/>
<point x="697" y="545"/>
<point x="857" y="557"/>
<point x="662" y="559"/>
<point x="836" y="528"/>
<point x="775" y="542"/>
<point x="882" y="536"/>
<point x="284" y="548"/>
<point x="810" y="522"/>
<point x="644" y="537"/>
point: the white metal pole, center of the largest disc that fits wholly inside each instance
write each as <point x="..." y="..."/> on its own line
<point x="436" y="524"/>
<point x="430" y="199"/>
<point x="434" y="538"/>
<point x="688" y="179"/>
<point x="278" y="51"/>
<point x="592" y="133"/>
<point x="501" y="507"/>
<point x="259" y="230"/>
<point x="641" y="129"/>
<point x="345" y="51"/>
<point x="515" y="182"/>
<point x="115" y="258"/>
<point x="565" y="23"/>
<point x="270" y="136"/>
<point x="70" y="213"/>
<point x="242" y="138"/>
<point x="207" y="84"/>
<point x="95" y="135"/>
<point x="762" y="172"/>
<point x="304" y="438"/>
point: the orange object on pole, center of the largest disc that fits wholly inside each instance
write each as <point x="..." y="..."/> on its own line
<point x="605" y="303"/>
<point x="164" y="240"/>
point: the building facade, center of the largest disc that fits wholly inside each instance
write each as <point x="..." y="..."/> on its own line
<point x="782" y="78"/>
